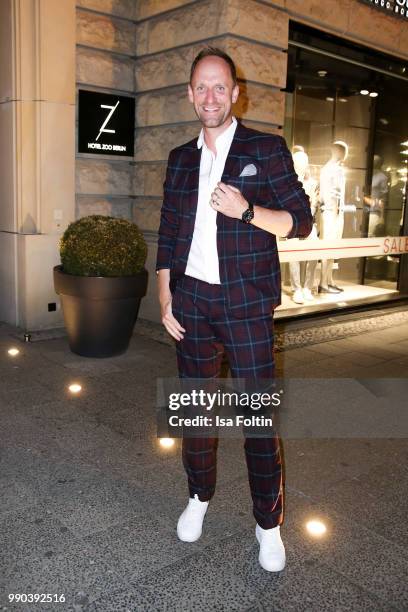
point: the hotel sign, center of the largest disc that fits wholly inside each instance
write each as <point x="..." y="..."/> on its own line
<point x="399" y="8"/>
<point x="106" y="124"/>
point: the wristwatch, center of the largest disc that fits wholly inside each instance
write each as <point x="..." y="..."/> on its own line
<point x="248" y="214"/>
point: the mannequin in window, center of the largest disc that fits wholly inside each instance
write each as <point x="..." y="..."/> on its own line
<point x="304" y="293"/>
<point x="378" y="199"/>
<point x="332" y="198"/>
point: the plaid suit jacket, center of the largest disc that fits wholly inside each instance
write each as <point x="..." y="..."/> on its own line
<point x="248" y="256"/>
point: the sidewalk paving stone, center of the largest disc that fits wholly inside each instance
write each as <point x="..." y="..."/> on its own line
<point x="89" y="501"/>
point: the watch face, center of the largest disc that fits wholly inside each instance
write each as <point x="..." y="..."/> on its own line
<point x="247" y="216"/>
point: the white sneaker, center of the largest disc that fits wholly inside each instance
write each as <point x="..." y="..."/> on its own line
<point x="307" y="294"/>
<point x="297" y="297"/>
<point x="190" y="523"/>
<point x="271" y="550"/>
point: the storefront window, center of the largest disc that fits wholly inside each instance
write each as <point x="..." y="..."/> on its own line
<point x="347" y="128"/>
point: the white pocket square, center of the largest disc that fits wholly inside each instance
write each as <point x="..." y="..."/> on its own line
<point x="249" y="170"/>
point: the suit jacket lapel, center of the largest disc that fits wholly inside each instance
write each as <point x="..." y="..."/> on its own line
<point x="233" y="154"/>
<point x="194" y="179"/>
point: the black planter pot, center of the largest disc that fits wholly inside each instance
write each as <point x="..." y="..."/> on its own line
<point x="99" y="312"/>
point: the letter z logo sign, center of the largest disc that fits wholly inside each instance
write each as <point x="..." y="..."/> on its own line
<point x="103" y="126"/>
<point x="106" y="123"/>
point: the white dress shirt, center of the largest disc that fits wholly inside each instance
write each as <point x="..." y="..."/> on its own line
<point x="202" y="261"/>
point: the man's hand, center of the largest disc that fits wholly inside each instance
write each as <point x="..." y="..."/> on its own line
<point x="228" y="200"/>
<point x="171" y="324"/>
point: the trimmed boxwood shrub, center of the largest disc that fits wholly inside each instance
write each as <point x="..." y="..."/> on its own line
<point x="98" y="245"/>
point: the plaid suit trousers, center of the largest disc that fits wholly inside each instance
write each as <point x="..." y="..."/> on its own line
<point x="248" y="343"/>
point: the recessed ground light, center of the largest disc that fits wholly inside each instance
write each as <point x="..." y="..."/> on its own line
<point x="342" y="99"/>
<point x="329" y="99"/>
<point x="322" y="73"/>
<point x="13" y="351"/>
<point x="75" y="388"/>
<point x="373" y="94"/>
<point x="166" y="442"/>
<point x="316" y="528"/>
<point x="364" y="92"/>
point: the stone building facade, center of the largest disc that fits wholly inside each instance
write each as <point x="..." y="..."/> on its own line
<point x="132" y="47"/>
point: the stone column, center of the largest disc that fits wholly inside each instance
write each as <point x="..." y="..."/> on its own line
<point x="168" y="36"/>
<point x="37" y="138"/>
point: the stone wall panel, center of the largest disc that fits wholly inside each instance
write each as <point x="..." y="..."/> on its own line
<point x="104" y="70"/>
<point x="263" y="127"/>
<point x="403" y="40"/>
<point x="150" y="8"/>
<point x="257" y="21"/>
<point x="195" y="22"/>
<point x="260" y="103"/>
<point x="138" y="183"/>
<point x="146" y="213"/>
<point x="104" y="32"/>
<point x="89" y="205"/>
<point x="207" y="19"/>
<point x="154" y="178"/>
<point x="148" y="179"/>
<point x="255" y="62"/>
<point x="169" y="106"/>
<point x="103" y="177"/>
<point x="155" y="143"/>
<point x="119" y="8"/>
<point x="277" y="3"/>
<point x="329" y="11"/>
<point x="372" y="27"/>
<point x="170" y="67"/>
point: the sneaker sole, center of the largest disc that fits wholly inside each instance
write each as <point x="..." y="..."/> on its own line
<point x="188" y="540"/>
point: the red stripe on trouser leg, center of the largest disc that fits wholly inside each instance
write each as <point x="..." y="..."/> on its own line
<point x="264" y="465"/>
